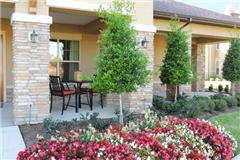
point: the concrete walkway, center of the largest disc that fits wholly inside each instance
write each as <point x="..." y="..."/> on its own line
<point x="11" y="142"/>
<point x="236" y="158"/>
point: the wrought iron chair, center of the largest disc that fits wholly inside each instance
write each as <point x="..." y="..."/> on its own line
<point x="90" y="93"/>
<point x="57" y="89"/>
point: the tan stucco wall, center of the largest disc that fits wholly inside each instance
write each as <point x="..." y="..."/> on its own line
<point x="213" y="54"/>
<point x="143" y="10"/>
<point x="89" y="50"/>
<point x="199" y="29"/>
<point x="159" y="53"/>
<point x="7" y="28"/>
<point x="88" y="44"/>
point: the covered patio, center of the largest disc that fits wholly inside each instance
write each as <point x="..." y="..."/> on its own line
<point x="72" y="48"/>
<point x="6" y="113"/>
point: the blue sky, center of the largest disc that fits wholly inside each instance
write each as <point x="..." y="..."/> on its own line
<point x="214" y="5"/>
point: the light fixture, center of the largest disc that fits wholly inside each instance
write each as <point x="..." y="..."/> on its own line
<point x="33" y="36"/>
<point x="144" y="42"/>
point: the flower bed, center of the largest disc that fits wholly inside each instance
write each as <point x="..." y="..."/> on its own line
<point x="168" y="138"/>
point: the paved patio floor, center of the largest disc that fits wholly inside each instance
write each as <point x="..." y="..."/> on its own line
<point x="6" y="118"/>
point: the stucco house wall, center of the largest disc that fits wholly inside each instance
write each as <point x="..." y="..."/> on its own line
<point x="29" y="82"/>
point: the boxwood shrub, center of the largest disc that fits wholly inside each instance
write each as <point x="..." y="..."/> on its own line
<point x="190" y="108"/>
<point x="231" y="101"/>
<point x="220" y="104"/>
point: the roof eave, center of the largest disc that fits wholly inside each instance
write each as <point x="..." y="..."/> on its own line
<point x="199" y="20"/>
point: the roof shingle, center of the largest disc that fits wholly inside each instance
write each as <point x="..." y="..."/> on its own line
<point x="163" y="8"/>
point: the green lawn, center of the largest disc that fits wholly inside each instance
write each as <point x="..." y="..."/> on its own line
<point x="231" y="122"/>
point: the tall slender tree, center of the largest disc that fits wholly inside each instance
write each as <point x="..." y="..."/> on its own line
<point x="231" y="65"/>
<point x="121" y="66"/>
<point x="176" y="68"/>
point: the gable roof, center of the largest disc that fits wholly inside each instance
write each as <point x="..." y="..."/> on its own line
<point x="167" y="8"/>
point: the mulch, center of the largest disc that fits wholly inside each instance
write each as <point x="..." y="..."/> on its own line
<point x="30" y="132"/>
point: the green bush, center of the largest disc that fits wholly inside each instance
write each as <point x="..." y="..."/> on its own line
<point x="210" y="88"/>
<point x="207" y="104"/>
<point x="220" y="88"/>
<point x="238" y="99"/>
<point x="231" y="101"/>
<point x="218" y="96"/>
<point x="226" y="89"/>
<point x="193" y="109"/>
<point x="211" y="106"/>
<point x="220" y="104"/>
<point x="54" y="127"/>
<point x="158" y="102"/>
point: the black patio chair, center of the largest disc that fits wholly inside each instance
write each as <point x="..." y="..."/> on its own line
<point x="57" y="89"/>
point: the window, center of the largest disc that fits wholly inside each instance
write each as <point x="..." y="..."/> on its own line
<point x="64" y="58"/>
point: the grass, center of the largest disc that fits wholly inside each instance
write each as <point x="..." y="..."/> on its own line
<point x="231" y="122"/>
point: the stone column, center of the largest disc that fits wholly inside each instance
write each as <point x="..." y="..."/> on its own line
<point x="142" y="99"/>
<point x="30" y="68"/>
<point x="198" y="64"/>
<point x="138" y="101"/>
<point x="235" y="88"/>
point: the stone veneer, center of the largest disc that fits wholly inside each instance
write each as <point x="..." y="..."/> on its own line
<point x="198" y="64"/>
<point x="30" y="72"/>
<point x="236" y="87"/>
<point x="142" y="98"/>
<point x="9" y="91"/>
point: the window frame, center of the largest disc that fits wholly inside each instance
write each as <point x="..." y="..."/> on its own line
<point x="68" y="37"/>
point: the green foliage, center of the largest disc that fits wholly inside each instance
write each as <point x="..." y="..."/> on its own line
<point x="210" y="88"/>
<point x="176" y="68"/>
<point x="218" y="96"/>
<point x="231" y="101"/>
<point x="121" y="66"/>
<point x="220" y="104"/>
<point x="220" y="88"/>
<point x="226" y="89"/>
<point x="238" y="99"/>
<point x="231" y="65"/>
<point x="54" y="127"/>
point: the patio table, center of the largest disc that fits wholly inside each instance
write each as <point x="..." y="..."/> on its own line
<point x="82" y="90"/>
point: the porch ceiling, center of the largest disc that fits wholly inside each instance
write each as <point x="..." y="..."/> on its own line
<point x="203" y="39"/>
<point x="72" y="16"/>
<point x="6" y="10"/>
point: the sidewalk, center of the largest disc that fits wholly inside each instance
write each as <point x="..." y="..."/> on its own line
<point x="11" y="142"/>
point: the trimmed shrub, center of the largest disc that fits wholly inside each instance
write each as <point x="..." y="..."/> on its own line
<point x="210" y="88"/>
<point x="218" y="96"/>
<point x="238" y="99"/>
<point x="206" y="104"/>
<point x="220" y="88"/>
<point x="158" y="102"/>
<point x="226" y="89"/>
<point x="220" y="104"/>
<point x="211" y="106"/>
<point x="231" y="101"/>
<point x="192" y="109"/>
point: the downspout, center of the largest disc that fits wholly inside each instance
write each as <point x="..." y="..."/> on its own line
<point x="189" y="20"/>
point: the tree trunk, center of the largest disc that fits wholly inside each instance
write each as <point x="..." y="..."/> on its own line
<point x="176" y="93"/>
<point x="121" y="109"/>
<point x="170" y="92"/>
<point x="233" y="88"/>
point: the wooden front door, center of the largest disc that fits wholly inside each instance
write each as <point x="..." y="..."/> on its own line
<point x="1" y="68"/>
